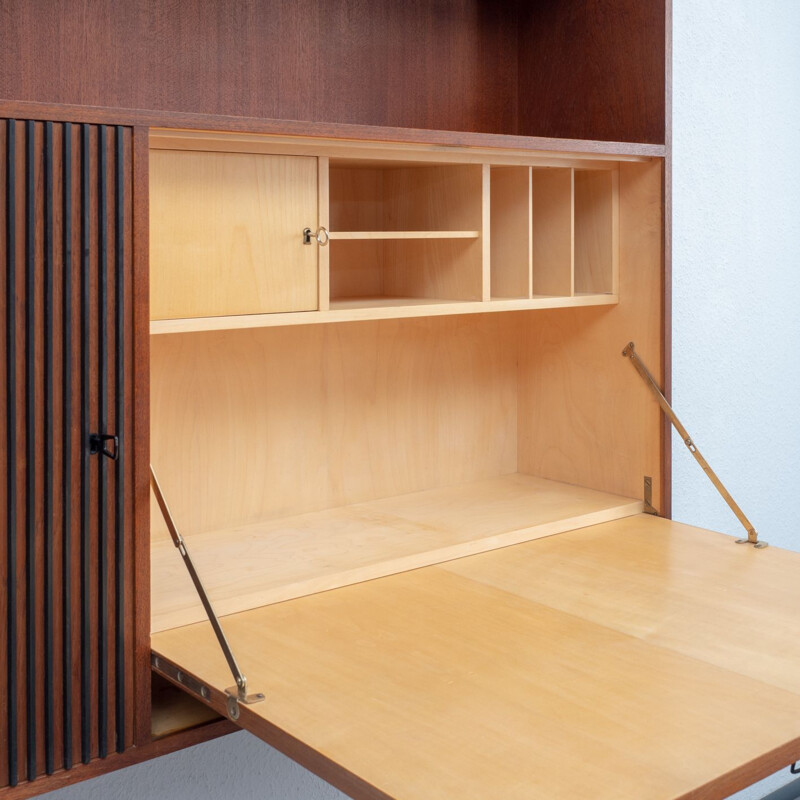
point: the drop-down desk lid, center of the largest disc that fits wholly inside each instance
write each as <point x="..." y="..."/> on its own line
<point x="639" y="658"/>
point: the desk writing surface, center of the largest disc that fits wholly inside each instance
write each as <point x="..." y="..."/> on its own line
<point x="634" y="659"/>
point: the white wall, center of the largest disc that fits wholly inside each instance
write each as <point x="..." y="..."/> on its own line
<point x="736" y="335"/>
<point x="736" y="265"/>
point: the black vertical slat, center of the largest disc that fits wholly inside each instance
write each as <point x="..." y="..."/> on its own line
<point x="11" y="439"/>
<point x="49" y="713"/>
<point x="30" y="444"/>
<point x="66" y="475"/>
<point x="119" y="415"/>
<point x="102" y="427"/>
<point x="86" y="675"/>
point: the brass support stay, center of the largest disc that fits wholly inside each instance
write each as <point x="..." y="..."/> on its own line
<point x="752" y="537"/>
<point x="236" y="694"/>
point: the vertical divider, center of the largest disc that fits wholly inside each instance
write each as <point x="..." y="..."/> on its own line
<point x="486" y="216"/>
<point x="572" y="232"/>
<point x="615" y="232"/>
<point x="119" y="417"/>
<point x="11" y="443"/>
<point x="530" y="232"/>
<point x="49" y="446"/>
<point x="85" y="312"/>
<point x="66" y="361"/>
<point x="102" y="428"/>
<point x="30" y="444"/>
<point x="324" y="258"/>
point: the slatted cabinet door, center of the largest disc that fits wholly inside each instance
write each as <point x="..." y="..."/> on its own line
<point x="66" y="671"/>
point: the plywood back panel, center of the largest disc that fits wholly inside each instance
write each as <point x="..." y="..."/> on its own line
<point x="255" y="424"/>
<point x="356" y="198"/>
<point x="552" y="231"/>
<point x="413" y="198"/>
<point x="441" y="197"/>
<point x="510" y="231"/>
<point x="586" y="417"/>
<point x="596" y="230"/>
<point x="226" y="233"/>
<point x="447" y="269"/>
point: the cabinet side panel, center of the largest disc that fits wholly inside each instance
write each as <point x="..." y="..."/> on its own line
<point x="585" y="416"/>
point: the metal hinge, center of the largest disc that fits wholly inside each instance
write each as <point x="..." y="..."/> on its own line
<point x="752" y="537"/>
<point x="238" y="693"/>
<point x="649" y="508"/>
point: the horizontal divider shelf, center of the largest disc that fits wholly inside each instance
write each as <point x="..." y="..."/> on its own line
<point x="255" y="565"/>
<point x="351" y="235"/>
<point x="351" y="309"/>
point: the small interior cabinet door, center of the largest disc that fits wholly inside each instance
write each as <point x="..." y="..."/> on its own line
<point x="226" y="233"/>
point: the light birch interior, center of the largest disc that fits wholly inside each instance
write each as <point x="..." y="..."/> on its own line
<point x="301" y="458"/>
<point x="234" y="233"/>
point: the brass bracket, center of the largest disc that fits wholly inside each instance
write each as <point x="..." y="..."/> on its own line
<point x="649" y="508"/>
<point x="236" y="694"/>
<point x="752" y="537"/>
<point x="179" y="676"/>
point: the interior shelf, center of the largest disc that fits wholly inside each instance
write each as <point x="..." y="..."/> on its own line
<point x="255" y="565"/>
<point x="350" y="235"/>
<point x="349" y="309"/>
<point x="345" y="303"/>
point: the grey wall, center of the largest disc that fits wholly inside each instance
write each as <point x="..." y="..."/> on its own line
<point x="736" y="329"/>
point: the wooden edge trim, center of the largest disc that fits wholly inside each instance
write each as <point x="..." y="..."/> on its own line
<point x="335" y="130"/>
<point x="666" y="336"/>
<point x="747" y="774"/>
<point x="141" y="435"/>
<point x="309" y="758"/>
<point x="115" y="761"/>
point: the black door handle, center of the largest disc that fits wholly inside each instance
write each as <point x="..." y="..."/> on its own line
<point x="97" y="444"/>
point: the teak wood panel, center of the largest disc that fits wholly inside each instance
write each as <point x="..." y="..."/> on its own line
<point x="66" y="239"/>
<point x="273" y="561"/>
<point x="256" y="424"/>
<point x="585" y="416"/>
<point x="467" y="679"/>
<point x="585" y="70"/>
<point x="226" y="234"/>
<point x="594" y="65"/>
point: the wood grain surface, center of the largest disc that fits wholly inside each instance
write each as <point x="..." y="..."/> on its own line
<point x="66" y="664"/>
<point x="269" y="562"/>
<point x="657" y="657"/>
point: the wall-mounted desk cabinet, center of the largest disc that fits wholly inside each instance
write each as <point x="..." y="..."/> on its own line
<point x="362" y="308"/>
